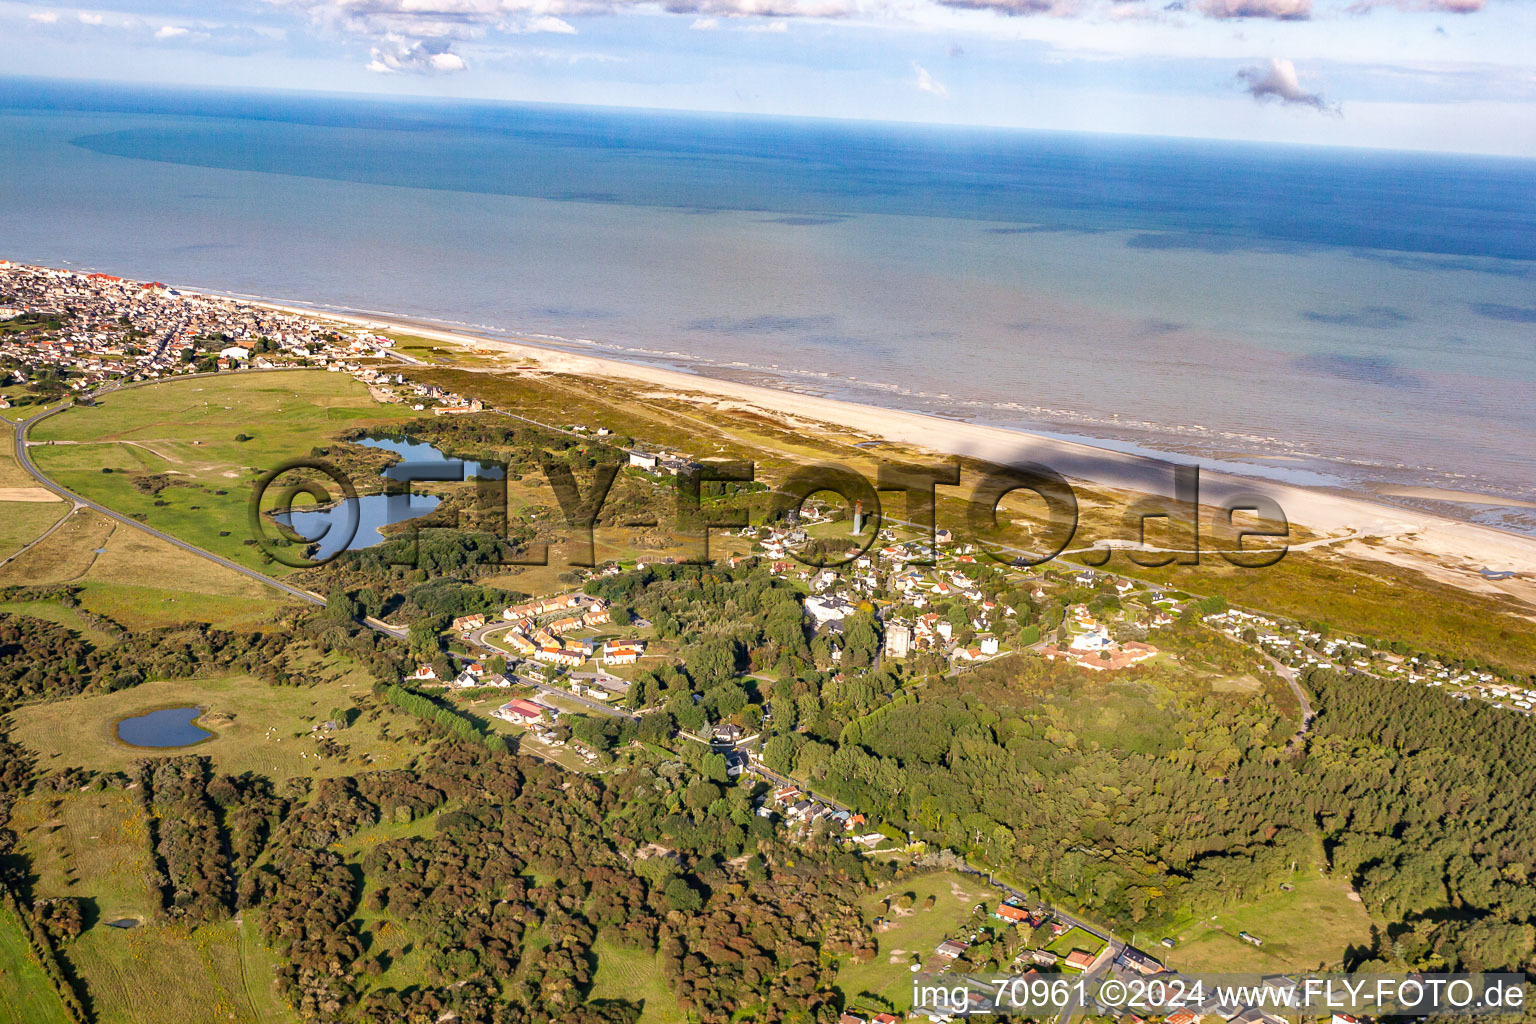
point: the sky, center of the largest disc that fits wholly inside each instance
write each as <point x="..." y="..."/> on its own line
<point x="1447" y="75"/>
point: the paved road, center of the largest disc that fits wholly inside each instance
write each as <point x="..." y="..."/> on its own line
<point x="24" y="459"/>
<point x="76" y="507"/>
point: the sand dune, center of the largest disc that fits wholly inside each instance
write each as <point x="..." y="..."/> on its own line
<point x="1445" y="548"/>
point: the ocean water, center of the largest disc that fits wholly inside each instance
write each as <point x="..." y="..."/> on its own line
<point x="1362" y="320"/>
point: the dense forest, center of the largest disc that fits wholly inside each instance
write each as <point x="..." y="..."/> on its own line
<point x="1134" y="800"/>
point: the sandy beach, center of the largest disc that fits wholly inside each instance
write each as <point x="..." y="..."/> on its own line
<point x="1445" y="549"/>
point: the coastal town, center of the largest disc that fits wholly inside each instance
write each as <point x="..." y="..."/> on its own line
<point x="65" y="333"/>
<point x="929" y="604"/>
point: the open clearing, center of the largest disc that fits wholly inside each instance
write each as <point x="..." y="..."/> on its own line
<point x="140" y="580"/>
<point x="257" y="727"/>
<point x="635" y="975"/>
<point x="909" y="933"/>
<point x="1311" y="925"/>
<point x="26" y="994"/>
<point x="22" y="522"/>
<point x="160" y="973"/>
<point x="60" y="614"/>
<point x="183" y="431"/>
<point x="90" y="845"/>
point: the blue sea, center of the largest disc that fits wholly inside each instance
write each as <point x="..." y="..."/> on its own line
<point x="1363" y="320"/>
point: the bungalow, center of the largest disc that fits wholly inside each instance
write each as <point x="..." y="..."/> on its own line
<point x="1011" y="913"/>
<point x="521" y="712"/>
<point x="951" y="949"/>
<point x="495" y="679"/>
<point x="465" y="623"/>
<point x="1079" y="959"/>
<point x="565" y="625"/>
<point x="422" y="672"/>
<point x="595" y="616"/>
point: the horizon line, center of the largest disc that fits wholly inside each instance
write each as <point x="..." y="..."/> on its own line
<point x="419" y="99"/>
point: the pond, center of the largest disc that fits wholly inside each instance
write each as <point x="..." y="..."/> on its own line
<point x="327" y="527"/>
<point x="168" y="727"/>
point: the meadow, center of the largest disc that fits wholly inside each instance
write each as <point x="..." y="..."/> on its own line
<point x="634" y="975"/>
<point x="139" y="580"/>
<point x="910" y="933"/>
<point x="26" y="994"/>
<point x="1307" y="927"/>
<point x="257" y="727"/>
<point x="93" y="845"/>
<point x="184" y="433"/>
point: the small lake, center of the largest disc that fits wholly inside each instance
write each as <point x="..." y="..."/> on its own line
<point x="169" y="727"/>
<point x="327" y="527"/>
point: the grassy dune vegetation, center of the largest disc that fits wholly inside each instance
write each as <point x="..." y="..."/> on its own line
<point x="92" y="845"/>
<point x="181" y="434"/>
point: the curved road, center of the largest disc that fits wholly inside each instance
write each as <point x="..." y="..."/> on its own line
<point x="24" y="459"/>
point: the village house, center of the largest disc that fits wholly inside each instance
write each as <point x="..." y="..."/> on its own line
<point x="521" y="712"/>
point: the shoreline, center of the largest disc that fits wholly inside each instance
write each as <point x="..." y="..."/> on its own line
<point x="1450" y="550"/>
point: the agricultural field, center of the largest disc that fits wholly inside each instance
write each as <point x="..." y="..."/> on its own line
<point x="910" y="933"/>
<point x="26" y="994"/>
<point x="257" y="727"/>
<point x="178" y="439"/>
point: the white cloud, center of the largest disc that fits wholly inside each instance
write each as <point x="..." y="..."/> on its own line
<point x="705" y="24"/>
<point x="44" y="17"/>
<point x="87" y="18"/>
<point x="1280" y="10"/>
<point x="552" y="24"/>
<point x="170" y="32"/>
<point x="427" y="56"/>
<point x="925" y="82"/>
<point x="1278" y="80"/>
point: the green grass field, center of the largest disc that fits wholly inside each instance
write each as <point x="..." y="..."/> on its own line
<point x="26" y="994"/>
<point x="159" y="973"/>
<point x="1075" y="938"/>
<point x="1309" y="926"/>
<point x="258" y="728"/>
<point x="122" y="571"/>
<point x="52" y="611"/>
<point x="186" y="429"/>
<point x="90" y="845"/>
<point x="634" y="975"/>
<point x="22" y="522"/>
<point x="909" y="933"/>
